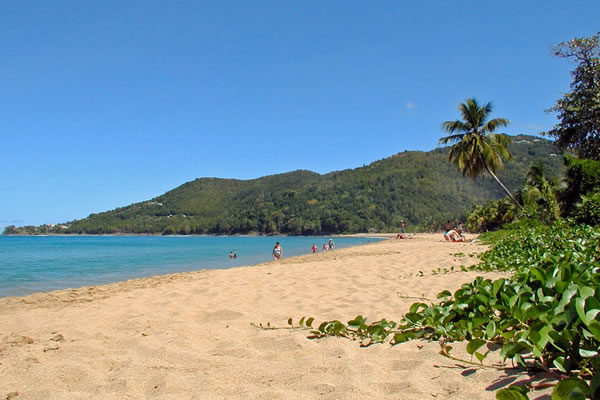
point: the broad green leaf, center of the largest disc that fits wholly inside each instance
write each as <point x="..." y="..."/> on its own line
<point x="544" y="336"/>
<point x="510" y="394"/>
<point x="587" y="353"/>
<point x="591" y="316"/>
<point x="594" y="327"/>
<point x="401" y="338"/>
<point x="586" y="292"/>
<point x="580" y="307"/>
<point x="509" y="350"/>
<point x="475" y="344"/>
<point x="477" y="322"/>
<point x="497" y="286"/>
<point x="490" y="330"/>
<point x="537" y="274"/>
<point x="565" y="299"/>
<point x="570" y="389"/>
<point x="481" y="356"/>
<point x="416" y="306"/>
<point x="559" y="363"/>
<point x="309" y="322"/>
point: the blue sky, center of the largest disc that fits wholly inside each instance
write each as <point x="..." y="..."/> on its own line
<point x="106" y="103"/>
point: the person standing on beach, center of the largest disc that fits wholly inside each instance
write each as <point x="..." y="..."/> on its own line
<point x="331" y="244"/>
<point x="324" y="247"/>
<point x="314" y="248"/>
<point x="277" y="251"/>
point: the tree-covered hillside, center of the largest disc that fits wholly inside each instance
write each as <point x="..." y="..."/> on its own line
<point x="421" y="188"/>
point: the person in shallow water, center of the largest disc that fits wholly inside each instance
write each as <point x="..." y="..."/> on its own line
<point x="277" y="251"/>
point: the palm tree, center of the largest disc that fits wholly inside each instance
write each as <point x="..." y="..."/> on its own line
<point x="476" y="148"/>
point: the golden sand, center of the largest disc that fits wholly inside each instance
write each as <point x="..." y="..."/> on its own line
<point x="189" y="335"/>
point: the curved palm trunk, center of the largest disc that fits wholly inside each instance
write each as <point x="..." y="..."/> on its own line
<point x="504" y="187"/>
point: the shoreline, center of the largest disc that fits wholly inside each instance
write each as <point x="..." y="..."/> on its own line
<point x="189" y="335"/>
<point x="174" y="275"/>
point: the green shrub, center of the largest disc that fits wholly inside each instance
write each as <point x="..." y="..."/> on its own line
<point x="583" y="177"/>
<point x="588" y="211"/>
<point x="546" y="316"/>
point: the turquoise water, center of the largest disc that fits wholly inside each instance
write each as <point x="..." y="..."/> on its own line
<point x="31" y="264"/>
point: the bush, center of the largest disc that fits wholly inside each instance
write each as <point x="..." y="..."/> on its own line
<point x="588" y="211"/>
<point x="583" y="177"/>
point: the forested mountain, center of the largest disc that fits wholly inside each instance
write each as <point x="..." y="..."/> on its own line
<point x="421" y="188"/>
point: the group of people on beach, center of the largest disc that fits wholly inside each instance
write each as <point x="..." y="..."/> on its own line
<point x="454" y="232"/>
<point x="327" y="246"/>
<point x="278" y="251"/>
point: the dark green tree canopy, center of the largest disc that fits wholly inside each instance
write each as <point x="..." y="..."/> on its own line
<point x="579" y="110"/>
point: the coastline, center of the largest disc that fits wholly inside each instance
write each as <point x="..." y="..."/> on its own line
<point x="189" y="335"/>
<point x="44" y="264"/>
<point x="144" y="281"/>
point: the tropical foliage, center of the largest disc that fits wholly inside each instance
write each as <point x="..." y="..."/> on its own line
<point x="588" y="211"/>
<point x="579" y="110"/>
<point x="476" y="148"/>
<point x="546" y="201"/>
<point x="539" y="196"/>
<point x="491" y="216"/>
<point x="582" y="178"/>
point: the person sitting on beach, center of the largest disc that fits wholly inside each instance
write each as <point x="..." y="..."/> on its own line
<point x="402" y="234"/>
<point x="324" y="247"/>
<point x="402" y="230"/>
<point x="447" y="229"/>
<point x="277" y="251"/>
<point x="455" y="236"/>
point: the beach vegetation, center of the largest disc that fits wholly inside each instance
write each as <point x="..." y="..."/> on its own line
<point x="545" y="200"/>
<point x="578" y="111"/>
<point x="545" y="316"/>
<point x="582" y="178"/>
<point x="476" y="148"/>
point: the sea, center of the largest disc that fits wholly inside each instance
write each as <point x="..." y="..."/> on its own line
<point x="30" y="264"/>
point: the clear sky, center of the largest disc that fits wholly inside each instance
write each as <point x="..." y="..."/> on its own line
<point x="107" y="103"/>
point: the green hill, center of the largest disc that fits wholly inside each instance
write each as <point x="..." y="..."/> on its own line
<point x="421" y="188"/>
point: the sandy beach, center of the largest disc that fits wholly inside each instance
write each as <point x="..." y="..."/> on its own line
<point x="190" y="335"/>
